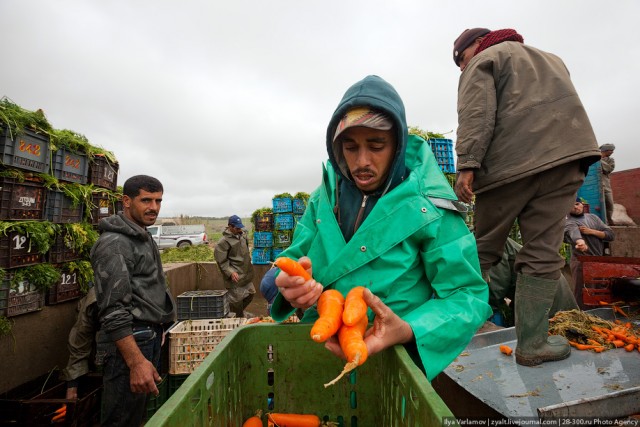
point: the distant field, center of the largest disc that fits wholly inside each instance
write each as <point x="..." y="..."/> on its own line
<point x="213" y="226"/>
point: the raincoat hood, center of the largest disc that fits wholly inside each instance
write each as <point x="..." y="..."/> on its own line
<point x="374" y="92"/>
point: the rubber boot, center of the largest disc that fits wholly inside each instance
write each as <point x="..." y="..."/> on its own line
<point x="534" y="297"/>
<point x="564" y="300"/>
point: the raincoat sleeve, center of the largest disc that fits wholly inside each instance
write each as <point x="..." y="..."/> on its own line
<point x="444" y="324"/>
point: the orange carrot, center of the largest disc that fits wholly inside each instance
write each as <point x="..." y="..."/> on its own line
<point x="618" y="343"/>
<point x="254" y="421"/>
<point x="584" y="346"/>
<point x="63" y="408"/>
<point x="619" y="310"/>
<point x="60" y="417"/>
<point x="330" y="306"/>
<point x="353" y="346"/>
<point x="629" y="347"/>
<point x="292" y="267"/>
<point x="505" y="349"/>
<point x="354" y="306"/>
<point x="294" y="420"/>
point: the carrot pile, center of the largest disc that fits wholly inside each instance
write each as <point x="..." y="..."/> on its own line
<point x="587" y="332"/>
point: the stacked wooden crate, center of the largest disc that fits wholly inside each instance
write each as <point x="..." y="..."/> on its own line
<point x="48" y="205"/>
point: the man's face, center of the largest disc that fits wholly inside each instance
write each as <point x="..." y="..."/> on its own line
<point x="578" y="208"/>
<point x="467" y="54"/>
<point x="144" y="208"/>
<point x="606" y="153"/>
<point x="369" y="154"/>
<point x="235" y="230"/>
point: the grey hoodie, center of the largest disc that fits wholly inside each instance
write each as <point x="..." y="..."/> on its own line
<point x="129" y="280"/>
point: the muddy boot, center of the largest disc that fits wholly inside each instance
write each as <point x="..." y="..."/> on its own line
<point x="564" y="299"/>
<point x="534" y="297"/>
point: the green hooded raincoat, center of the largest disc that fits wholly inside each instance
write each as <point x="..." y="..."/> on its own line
<point x="420" y="259"/>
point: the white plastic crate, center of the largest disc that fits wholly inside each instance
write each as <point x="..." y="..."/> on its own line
<point x="191" y="341"/>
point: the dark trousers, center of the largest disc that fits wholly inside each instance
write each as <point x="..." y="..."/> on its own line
<point x="120" y="406"/>
<point x="541" y="203"/>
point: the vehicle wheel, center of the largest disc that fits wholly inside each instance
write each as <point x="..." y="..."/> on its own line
<point x="184" y="244"/>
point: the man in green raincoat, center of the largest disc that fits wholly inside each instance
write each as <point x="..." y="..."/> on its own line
<point x="386" y="218"/>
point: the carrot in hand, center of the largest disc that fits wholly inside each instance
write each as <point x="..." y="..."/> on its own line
<point x="505" y="349"/>
<point x="351" y="340"/>
<point x="330" y="306"/>
<point x="354" y="306"/>
<point x="292" y="267"/>
<point x="254" y="421"/>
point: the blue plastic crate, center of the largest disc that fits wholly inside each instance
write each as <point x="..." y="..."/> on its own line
<point x="275" y="253"/>
<point x="283" y="222"/>
<point x="281" y="205"/>
<point x="262" y="239"/>
<point x="592" y="192"/>
<point x="443" y="151"/>
<point x="299" y="206"/>
<point x="261" y="256"/>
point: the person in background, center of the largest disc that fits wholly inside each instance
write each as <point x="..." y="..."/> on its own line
<point x="586" y="233"/>
<point x="134" y="303"/>
<point x="524" y="144"/>
<point x="607" y="165"/>
<point x="268" y="287"/>
<point x="386" y="218"/>
<point x="234" y="260"/>
<point x="81" y="342"/>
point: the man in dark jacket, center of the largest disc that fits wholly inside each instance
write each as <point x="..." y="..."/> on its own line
<point x="586" y="233"/>
<point x="133" y="300"/>
<point x="524" y="143"/>
<point x="234" y="260"/>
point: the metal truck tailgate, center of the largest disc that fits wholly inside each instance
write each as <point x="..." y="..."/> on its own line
<point x="581" y="386"/>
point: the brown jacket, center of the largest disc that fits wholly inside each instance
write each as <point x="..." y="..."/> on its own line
<point x="518" y="115"/>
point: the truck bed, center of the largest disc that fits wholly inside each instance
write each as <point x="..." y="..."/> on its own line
<point x="587" y="384"/>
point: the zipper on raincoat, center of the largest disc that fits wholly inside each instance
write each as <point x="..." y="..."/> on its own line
<point x="360" y="213"/>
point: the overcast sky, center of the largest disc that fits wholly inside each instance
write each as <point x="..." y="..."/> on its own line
<point x="227" y="102"/>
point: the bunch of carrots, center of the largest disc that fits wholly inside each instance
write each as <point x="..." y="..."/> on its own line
<point x="601" y="335"/>
<point x="59" y="415"/>
<point x="346" y="317"/>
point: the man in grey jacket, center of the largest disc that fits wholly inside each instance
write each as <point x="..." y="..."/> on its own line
<point x="524" y="143"/>
<point x="133" y="301"/>
<point x="234" y="260"/>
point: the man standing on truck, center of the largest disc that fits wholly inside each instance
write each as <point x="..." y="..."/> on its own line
<point x="133" y="301"/>
<point x="607" y="165"/>
<point x="234" y="260"/>
<point x="524" y="143"/>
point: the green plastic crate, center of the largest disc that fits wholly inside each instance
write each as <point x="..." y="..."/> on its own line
<point x="278" y="368"/>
